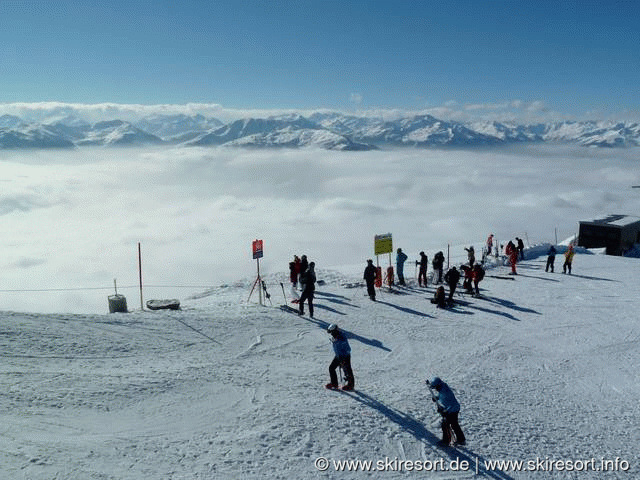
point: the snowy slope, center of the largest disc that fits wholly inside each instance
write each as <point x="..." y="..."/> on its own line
<point x="544" y="365"/>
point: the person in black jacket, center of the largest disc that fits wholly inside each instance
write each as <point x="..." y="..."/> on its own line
<point x="551" y="258"/>
<point x="452" y="278"/>
<point x="438" y="264"/>
<point x="308" y="279"/>
<point x="422" y="272"/>
<point x="370" y="277"/>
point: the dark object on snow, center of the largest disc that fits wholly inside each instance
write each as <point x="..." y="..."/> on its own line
<point x="616" y="233"/>
<point x="172" y="304"/>
<point x="117" y="304"/>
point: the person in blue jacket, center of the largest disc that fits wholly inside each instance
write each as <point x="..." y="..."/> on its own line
<point x="449" y="408"/>
<point x="342" y="358"/>
<point x="401" y="257"/>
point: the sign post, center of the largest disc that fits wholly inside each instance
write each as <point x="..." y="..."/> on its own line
<point x="257" y="255"/>
<point x="384" y="244"/>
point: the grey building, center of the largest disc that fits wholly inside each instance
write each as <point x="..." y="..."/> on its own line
<point x="616" y="233"/>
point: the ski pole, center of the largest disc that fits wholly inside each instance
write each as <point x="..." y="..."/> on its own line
<point x="284" y="294"/>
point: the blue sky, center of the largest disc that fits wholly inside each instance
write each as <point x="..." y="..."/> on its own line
<point x="577" y="57"/>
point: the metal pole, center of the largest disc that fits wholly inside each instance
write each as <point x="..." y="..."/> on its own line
<point x="259" y="282"/>
<point x="140" y="274"/>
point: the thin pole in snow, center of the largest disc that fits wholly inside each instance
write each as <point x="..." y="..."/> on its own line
<point x="140" y="273"/>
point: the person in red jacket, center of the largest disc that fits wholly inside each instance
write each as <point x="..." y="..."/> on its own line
<point x="512" y="253"/>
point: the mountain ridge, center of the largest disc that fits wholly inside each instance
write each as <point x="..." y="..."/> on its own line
<point x="327" y="130"/>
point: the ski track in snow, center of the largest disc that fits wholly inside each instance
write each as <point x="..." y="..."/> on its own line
<point x="544" y="366"/>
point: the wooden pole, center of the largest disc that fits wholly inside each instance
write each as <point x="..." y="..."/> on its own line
<point x="140" y="274"/>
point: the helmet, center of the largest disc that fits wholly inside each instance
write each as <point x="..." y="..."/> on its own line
<point x="435" y="382"/>
<point x="332" y="328"/>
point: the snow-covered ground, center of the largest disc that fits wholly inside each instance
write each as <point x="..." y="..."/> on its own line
<point x="545" y="367"/>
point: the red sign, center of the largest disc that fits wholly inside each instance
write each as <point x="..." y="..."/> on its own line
<point x="257" y="249"/>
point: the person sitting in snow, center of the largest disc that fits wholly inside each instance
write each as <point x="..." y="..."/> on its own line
<point x="449" y="408"/>
<point x="342" y="358"/>
<point x="439" y="298"/>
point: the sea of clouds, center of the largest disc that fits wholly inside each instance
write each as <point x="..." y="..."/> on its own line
<point x="73" y="219"/>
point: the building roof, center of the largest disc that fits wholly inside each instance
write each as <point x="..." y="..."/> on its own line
<point x="615" y="220"/>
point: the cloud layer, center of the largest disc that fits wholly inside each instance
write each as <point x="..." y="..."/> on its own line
<point x="73" y="219"/>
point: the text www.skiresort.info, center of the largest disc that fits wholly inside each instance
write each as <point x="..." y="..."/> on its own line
<point x="476" y="465"/>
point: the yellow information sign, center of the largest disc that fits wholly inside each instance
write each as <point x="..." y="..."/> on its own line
<point x="382" y="244"/>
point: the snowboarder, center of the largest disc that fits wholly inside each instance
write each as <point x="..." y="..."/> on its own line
<point x="370" y="274"/>
<point x="551" y="258"/>
<point x="422" y="273"/>
<point x="511" y="251"/>
<point x="439" y="298"/>
<point x="452" y="278"/>
<point x="471" y="256"/>
<point x="520" y="248"/>
<point x="401" y="257"/>
<point x="438" y="264"/>
<point x="568" y="259"/>
<point x="449" y="407"/>
<point x="342" y="358"/>
<point x="477" y="274"/>
<point x="308" y="280"/>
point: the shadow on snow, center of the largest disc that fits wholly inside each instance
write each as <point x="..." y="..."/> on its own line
<point x="416" y="428"/>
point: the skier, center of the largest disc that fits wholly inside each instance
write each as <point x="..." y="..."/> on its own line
<point x="489" y="244"/>
<point x="422" y="273"/>
<point x="304" y="264"/>
<point x="294" y="271"/>
<point x="438" y="264"/>
<point x="551" y="258"/>
<point x="568" y="259"/>
<point x="511" y="251"/>
<point x="471" y="256"/>
<point x="342" y="358"/>
<point x="520" y="248"/>
<point x="452" y="278"/>
<point x="477" y="274"/>
<point x="308" y="280"/>
<point x="466" y="283"/>
<point x="439" y="298"/>
<point x="449" y="408"/>
<point x="401" y="257"/>
<point x="370" y="273"/>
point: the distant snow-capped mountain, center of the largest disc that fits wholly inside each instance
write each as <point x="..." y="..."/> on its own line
<point x="32" y="136"/>
<point x="177" y="127"/>
<point x="329" y="130"/>
<point x="288" y="131"/>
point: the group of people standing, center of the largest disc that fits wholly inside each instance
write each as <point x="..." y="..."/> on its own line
<point x="568" y="259"/>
